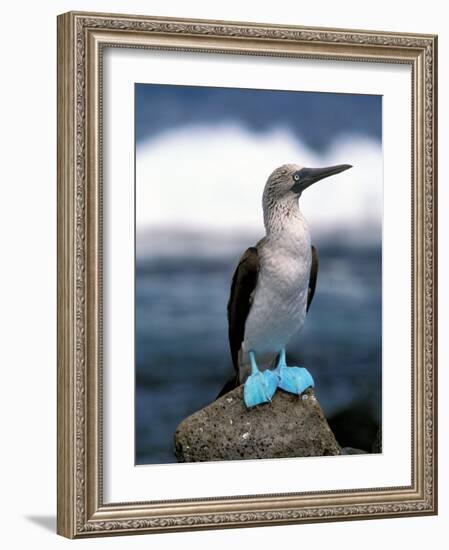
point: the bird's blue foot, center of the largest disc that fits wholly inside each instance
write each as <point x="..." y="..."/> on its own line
<point x="292" y="379"/>
<point x="259" y="386"/>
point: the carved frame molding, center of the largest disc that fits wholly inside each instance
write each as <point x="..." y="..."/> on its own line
<point x="81" y="39"/>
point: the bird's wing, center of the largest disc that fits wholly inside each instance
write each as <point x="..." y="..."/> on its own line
<point x="313" y="277"/>
<point x="240" y="299"/>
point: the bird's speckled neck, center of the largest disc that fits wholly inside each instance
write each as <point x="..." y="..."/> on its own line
<point x="281" y="215"/>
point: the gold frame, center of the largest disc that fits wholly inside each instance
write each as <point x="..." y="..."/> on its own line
<point x="81" y="38"/>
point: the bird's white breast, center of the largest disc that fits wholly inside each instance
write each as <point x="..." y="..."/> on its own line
<point x="279" y="302"/>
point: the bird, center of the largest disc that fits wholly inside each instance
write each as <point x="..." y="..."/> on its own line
<point x="272" y="289"/>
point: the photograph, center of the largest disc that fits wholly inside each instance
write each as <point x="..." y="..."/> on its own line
<point x="258" y="273"/>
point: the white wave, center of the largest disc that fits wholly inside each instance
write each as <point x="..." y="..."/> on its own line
<point x="212" y="177"/>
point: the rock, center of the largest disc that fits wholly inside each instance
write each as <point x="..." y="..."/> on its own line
<point x="377" y="443"/>
<point x="355" y="426"/>
<point x="352" y="451"/>
<point x="289" y="426"/>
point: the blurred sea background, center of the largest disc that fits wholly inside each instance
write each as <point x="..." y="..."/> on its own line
<point x="202" y="158"/>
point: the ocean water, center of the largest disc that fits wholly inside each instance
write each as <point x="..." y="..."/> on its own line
<point x="182" y="354"/>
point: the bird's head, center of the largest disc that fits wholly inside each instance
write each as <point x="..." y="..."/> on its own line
<point x="290" y="180"/>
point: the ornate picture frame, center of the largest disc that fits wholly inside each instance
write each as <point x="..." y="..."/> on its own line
<point x="82" y="38"/>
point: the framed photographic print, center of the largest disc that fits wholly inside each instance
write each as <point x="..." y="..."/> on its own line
<point x="246" y="274"/>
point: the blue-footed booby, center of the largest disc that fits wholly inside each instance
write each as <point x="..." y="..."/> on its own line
<point x="272" y="289"/>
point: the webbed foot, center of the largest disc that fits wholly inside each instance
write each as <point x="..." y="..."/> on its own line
<point x="293" y="379"/>
<point x="259" y="386"/>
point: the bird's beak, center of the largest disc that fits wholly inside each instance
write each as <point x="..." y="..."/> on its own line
<point x="309" y="176"/>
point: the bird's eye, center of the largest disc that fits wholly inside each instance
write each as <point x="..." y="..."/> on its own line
<point x="296" y="177"/>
